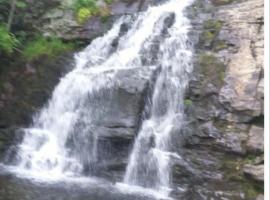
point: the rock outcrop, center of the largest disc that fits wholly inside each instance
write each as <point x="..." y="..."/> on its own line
<point x="59" y="19"/>
<point x="224" y="102"/>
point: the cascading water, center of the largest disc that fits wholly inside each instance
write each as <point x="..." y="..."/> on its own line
<point x="70" y="114"/>
<point x="149" y="164"/>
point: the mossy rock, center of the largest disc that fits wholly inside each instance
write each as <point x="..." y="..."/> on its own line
<point x="220" y="45"/>
<point x="211" y="29"/>
<point x="212" y="69"/>
<point x="232" y="168"/>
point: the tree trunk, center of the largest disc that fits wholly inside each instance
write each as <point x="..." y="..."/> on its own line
<point x="11" y="14"/>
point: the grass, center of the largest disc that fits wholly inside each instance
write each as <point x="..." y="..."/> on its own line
<point x="42" y="46"/>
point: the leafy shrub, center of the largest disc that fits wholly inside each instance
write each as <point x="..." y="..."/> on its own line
<point x="83" y="14"/>
<point x="85" y="9"/>
<point x="45" y="46"/>
<point x="7" y="40"/>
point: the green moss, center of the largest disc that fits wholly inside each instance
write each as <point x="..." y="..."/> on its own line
<point x="232" y="167"/>
<point x="212" y="69"/>
<point x="187" y="102"/>
<point x="211" y="29"/>
<point x="220" y="45"/>
<point x="213" y="25"/>
<point x="42" y="46"/>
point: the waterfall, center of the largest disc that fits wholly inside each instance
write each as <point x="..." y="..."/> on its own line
<point x="149" y="163"/>
<point x="62" y="140"/>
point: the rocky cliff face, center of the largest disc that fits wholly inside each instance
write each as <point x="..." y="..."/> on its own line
<point x="222" y="142"/>
<point x="225" y="97"/>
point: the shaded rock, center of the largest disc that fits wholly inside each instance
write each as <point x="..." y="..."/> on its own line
<point x="255" y="141"/>
<point x="9" y="138"/>
<point x="30" y="90"/>
<point x="116" y="133"/>
<point x="255" y="172"/>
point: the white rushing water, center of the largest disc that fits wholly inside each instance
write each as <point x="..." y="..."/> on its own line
<point x="70" y="113"/>
<point x="149" y="163"/>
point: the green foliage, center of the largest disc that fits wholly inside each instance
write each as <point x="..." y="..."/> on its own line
<point x="45" y="47"/>
<point x="83" y="14"/>
<point x="85" y="4"/>
<point x="85" y="9"/>
<point x="7" y="40"/>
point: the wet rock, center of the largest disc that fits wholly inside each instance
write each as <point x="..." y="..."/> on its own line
<point x="255" y="172"/>
<point x="9" y="138"/>
<point x="123" y="104"/>
<point x="115" y="114"/>
<point x="256" y="141"/>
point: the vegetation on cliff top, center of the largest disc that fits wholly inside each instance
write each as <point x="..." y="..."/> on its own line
<point x="45" y="46"/>
<point x="23" y="40"/>
<point x="7" y="40"/>
<point x="85" y="9"/>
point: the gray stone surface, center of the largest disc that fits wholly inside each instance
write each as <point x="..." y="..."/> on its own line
<point x="255" y="142"/>
<point x="255" y="172"/>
